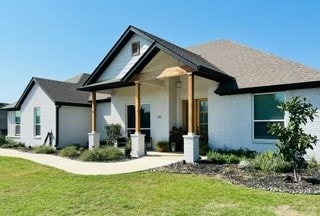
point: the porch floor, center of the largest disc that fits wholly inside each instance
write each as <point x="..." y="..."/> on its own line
<point x="152" y="160"/>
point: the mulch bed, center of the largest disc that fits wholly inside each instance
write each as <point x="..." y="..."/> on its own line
<point x="276" y="182"/>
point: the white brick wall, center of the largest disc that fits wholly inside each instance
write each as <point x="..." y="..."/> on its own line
<point x="103" y="113"/>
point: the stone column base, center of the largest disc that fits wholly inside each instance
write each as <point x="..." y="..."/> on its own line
<point x="94" y="140"/>
<point x="137" y="145"/>
<point x="191" y="147"/>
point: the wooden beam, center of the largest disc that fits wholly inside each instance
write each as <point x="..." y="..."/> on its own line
<point x="175" y="71"/>
<point x="137" y="108"/>
<point x="93" y="112"/>
<point x="190" y="103"/>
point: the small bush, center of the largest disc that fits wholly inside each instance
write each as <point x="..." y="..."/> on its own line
<point x="163" y="146"/>
<point x="128" y="148"/>
<point x="222" y="158"/>
<point x="2" y="140"/>
<point x="203" y="148"/>
<point x="44" y="150"/>
<point x="103" y="154"/>
<point x="243" y="153"/>
<point x="313" y="163"/>
<point x="70" y="152"/>
<point x="270" y="161"/>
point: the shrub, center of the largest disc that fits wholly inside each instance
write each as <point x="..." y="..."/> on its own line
<point x="223" y="158"/>
<point x="44" y="150"/>
<point x="113" y="131"/>
<point x="103" y="154"/>
<point x="163" y="146"/>
<point x="243" y="153"/>
<point x="271" y="161"/>
<point x="70" y="152"/>
<point x="203" y="148"/>
<point x="128" y="148"/>
<point x="313" y="163"/>
<point x="2" y="140"/>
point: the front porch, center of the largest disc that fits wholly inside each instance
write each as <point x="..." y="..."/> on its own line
<point x="145" y="73"/>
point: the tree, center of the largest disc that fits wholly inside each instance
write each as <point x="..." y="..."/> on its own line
<point x="293" y="141"/>
<point x="113" y="131"/>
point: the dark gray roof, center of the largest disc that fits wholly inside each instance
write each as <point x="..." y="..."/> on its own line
<point x="252" y="68"/>
<point x="60" y="92"/>
<point x="184" y="53"/>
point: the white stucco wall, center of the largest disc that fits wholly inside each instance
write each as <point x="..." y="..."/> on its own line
<point x="74" y="125"/>
<point x="103" y="113"/>
<point x="35" y="98"/>
<point x="124" y="60"/>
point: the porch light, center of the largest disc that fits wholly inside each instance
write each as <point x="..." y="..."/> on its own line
<point x="178" y="82"/>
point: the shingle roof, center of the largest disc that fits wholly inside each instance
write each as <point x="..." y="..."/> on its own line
<point x="252" y="68"/>
<point x="184" y="53"/>
<point x="59" y="92"/>
<point x="65" y="92"/>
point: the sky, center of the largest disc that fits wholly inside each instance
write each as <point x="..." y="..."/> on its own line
<point x="58" y="39"/>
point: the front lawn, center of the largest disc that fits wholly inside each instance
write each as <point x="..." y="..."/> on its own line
<point x="27" y="188"/>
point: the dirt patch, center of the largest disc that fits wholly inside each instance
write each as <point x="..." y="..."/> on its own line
<point x="286" y="211"/>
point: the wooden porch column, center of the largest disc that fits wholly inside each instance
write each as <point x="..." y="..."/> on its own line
<point x="137" y="108"/>
<point x="93" y="112"/>
<point x="190" y="103"/>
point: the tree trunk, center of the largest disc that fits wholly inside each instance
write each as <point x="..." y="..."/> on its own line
<point x="295" y="172"/>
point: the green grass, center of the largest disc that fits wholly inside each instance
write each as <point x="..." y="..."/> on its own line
<point x="27" y="188"/>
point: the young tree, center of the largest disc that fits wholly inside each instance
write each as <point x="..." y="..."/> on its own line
<point x="293" y="141"/>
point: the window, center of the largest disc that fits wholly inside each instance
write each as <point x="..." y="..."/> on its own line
<point x="37" y="121"/>
<point x="200" y="116"/>
<point x="135" y="48"/>
<point x="266" y="111"/>
<point x="145" y="119"/>
<point x="17" y="122"/>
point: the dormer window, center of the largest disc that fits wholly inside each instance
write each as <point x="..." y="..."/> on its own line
<point x="135" y="48"/>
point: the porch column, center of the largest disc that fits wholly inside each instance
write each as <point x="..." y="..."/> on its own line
<point x="137" y="139"/>
<point x="94" y="137"/>
<point x="191" y="141"/>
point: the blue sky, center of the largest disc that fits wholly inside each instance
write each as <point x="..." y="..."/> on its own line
<point x="58" y="39"/>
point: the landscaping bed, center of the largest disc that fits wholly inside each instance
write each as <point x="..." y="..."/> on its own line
<point x="252" y="178"/>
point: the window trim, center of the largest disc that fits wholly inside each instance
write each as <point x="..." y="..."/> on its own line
<point x="35" y="124"/>
<point x="137" y="43"/>
<point x="15" y="123"/>
<point x="284" y="120"/>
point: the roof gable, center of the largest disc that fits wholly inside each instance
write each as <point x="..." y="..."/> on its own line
<point x="199" y="64"/>
<point x="64" y="93"/>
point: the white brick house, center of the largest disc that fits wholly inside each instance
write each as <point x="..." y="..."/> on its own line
<point x="226" y="89"/>
<point x="50" y="106"/>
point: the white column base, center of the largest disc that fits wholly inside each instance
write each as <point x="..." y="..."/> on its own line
<point x="137" y="145"/>
<point x="94" y="140"/>
<point x="191" y="148"/>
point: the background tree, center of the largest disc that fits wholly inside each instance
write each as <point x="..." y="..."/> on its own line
<point x="293" y="141"/>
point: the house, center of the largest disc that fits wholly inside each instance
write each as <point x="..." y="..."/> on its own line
<point x="3" y="120"/>
<point x="221" y="88"/>
<point x="51" y="112"/>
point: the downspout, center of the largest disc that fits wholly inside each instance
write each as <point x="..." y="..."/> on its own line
<point x="57" y="125"/>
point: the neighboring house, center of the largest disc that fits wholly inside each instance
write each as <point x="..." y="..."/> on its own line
<point x="50" y="107"/>
<point x="3" y="120"/>
<point x="221" y="88"/>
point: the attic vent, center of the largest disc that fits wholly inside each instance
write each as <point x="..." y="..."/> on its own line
<point x="135" y="48"/>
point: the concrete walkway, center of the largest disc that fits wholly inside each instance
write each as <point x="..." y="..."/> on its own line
<point x="152" y="160"/>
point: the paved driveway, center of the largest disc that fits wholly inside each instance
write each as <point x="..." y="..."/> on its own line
<point x="152" y="160"/>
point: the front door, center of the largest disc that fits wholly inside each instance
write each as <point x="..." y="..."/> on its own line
<point x="200" y="116"/>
